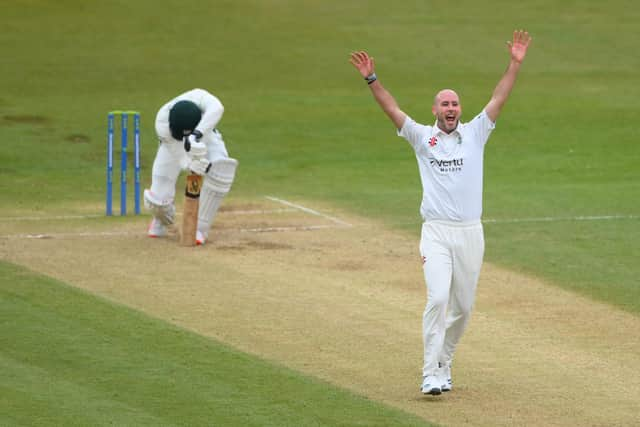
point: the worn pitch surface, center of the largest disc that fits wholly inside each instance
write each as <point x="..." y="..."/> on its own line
<point x="341" y="298"/>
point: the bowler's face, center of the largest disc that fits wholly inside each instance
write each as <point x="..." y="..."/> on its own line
<point x="447" y="109"/>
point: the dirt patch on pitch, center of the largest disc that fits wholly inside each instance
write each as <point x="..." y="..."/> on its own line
<point x="28" y="119"/>
<point x="343" y="301"/>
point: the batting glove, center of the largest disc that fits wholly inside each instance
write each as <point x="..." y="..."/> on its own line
<point x="200" y="166"/>
<point x="190" y="140"/>
<point x="196" y="149"/>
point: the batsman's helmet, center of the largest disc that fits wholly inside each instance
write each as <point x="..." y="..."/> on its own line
<point x="183" y="116"/>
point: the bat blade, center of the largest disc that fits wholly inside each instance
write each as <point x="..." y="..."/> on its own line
<point x="190" y="210"/>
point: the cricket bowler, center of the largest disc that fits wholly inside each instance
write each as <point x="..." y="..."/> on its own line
<point x="450" y="161"/>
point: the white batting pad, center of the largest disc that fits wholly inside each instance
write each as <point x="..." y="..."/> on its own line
<point x="163" y="210"/>
<point x="216" y="185"/>
<point x="222" y="174"/>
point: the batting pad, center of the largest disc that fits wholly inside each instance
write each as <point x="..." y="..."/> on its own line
<point x="217" y="183"/>
<point x="163" y="210"/>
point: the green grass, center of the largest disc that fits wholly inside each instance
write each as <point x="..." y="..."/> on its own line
<point x="69" y="358"/>
<point x="304" y="127"/>
<point x="562" y="250"/>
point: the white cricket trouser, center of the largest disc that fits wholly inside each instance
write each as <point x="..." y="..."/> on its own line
<point x="171" y="159"/>
<point x="452" y="256"/>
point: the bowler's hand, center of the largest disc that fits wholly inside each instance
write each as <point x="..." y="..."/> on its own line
<point x="518" y="47"/>
<point x="363" y="63"/>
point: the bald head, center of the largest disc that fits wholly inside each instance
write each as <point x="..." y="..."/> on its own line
<point x="446" y="94"/>
<point x="447" y="109"/>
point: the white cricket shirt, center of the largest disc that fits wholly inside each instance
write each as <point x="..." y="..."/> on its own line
<point x="210" y="106"/>
<point x="450" y="167"/>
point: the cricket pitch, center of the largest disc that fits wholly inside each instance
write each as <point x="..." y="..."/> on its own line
<point x="341" y="298"/>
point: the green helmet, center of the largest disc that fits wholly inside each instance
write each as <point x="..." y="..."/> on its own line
<point x="184" y="116"/>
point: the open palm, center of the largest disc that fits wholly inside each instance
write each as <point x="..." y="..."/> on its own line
<point x="363" y="62"/>
<point x="518" y="47"/>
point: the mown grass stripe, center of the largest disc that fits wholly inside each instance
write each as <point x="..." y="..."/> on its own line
<point x="70" y="358"/>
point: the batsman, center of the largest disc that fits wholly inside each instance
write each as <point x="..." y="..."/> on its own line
<point x="189" y="140"/>
<point x="450" y="161"/>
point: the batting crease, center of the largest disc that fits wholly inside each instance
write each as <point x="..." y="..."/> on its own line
<point x="293" y="207"/>
<point x="309" y="210"/>
<point x="558" y="219"/>
<point x="45" y="236"/>
<point x="68" y="217"/>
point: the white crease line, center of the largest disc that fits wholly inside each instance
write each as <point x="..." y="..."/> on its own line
<point x="46" y="236"/>
<point x="558" y="219"/>
<point x="280" y="229"/>
<point x="48" y="218"/>
<point x="306" y="228"/>
<point x="67" y="217"/>
<point x="257" y="211"/>
<point x="308" y="210"/>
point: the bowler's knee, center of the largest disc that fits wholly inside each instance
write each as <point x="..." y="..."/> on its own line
<point x="462" y="312"/>
<point x="437" y="302"/>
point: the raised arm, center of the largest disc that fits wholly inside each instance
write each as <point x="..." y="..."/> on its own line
<point x="518" y="50"/>
<point x="365" y="65"/>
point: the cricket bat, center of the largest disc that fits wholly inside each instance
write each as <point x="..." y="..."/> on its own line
<point x="191" y="205"/>
<point x="190" y="210"/>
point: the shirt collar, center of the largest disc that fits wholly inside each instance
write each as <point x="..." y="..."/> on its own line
<point x="436" y="130"/>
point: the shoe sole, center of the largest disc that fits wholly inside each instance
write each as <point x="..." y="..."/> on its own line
<point x="433" y="392"/>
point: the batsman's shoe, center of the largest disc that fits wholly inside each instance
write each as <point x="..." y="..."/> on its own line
<point x="444" y="375"/>
<point x="200" y="238"/>
<point x="431" y="385"/>
<point x="157" y="229"/>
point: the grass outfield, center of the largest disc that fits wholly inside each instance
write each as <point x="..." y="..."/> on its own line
<point x="69" y="358"/>
<point x="304" y="126"/>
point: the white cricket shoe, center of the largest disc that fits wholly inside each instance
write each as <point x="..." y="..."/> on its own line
<point x="431" y="385"/>
<point x="157" y="229"/>
<point x="201" y="238"/>
<point x="444" y="375"/>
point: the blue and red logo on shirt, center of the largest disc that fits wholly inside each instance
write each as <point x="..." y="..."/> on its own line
<point x="433" y="141"/>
